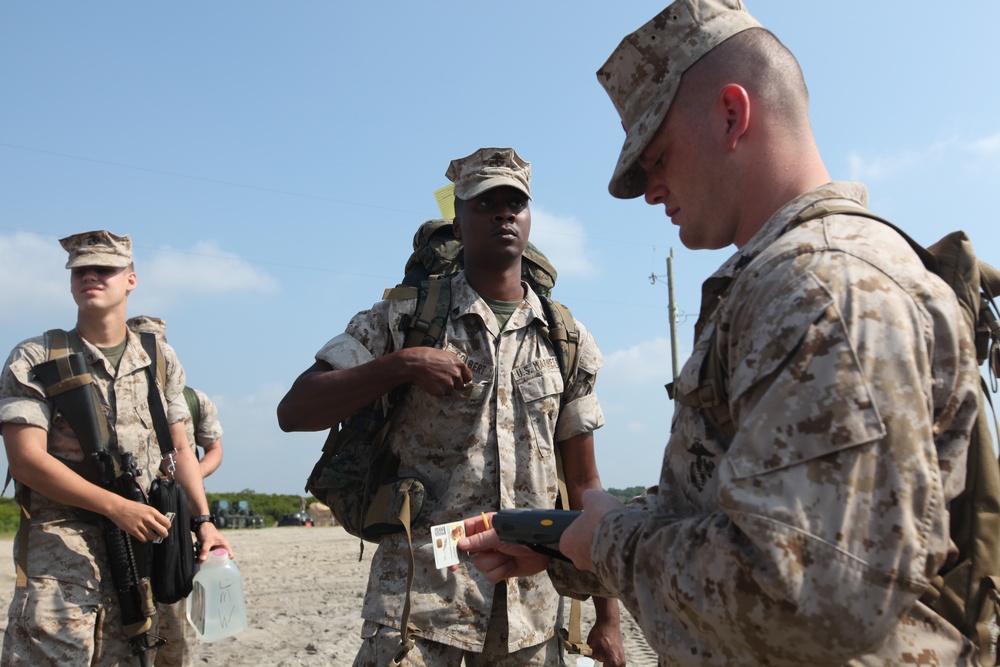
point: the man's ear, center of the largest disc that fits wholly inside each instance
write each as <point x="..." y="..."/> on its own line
<point x="734" y="103"/>
<point x="456" y="226"/>
<point x="132" y="281"/>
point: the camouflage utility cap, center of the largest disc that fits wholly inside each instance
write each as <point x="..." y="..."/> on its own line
<point x="149" y="323"/>
<point x="99" y="248"/>
<point x="644" y="72"/>
<point x="486" y="169"/>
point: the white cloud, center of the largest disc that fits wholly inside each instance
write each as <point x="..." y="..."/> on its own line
<point x="256" y="453"/>
<point x="643" y="362"/>
<point x="871" y="169"/>
<point x="987" y="146"/>
<point x="205" y="269"/>
<point x="35" y="288"/>
<point x="564" y="242"/>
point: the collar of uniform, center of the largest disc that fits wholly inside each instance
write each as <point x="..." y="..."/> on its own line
<point x="775" y="226"/>
<point x="466" y="300"/>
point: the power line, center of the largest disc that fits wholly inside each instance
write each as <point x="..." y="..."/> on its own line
<point x="204" y="179"/>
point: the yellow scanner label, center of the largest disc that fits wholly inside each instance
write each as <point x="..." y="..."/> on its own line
<point x="546" y="522"/>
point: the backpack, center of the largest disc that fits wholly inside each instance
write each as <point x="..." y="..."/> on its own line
<point x="966" y="591"/>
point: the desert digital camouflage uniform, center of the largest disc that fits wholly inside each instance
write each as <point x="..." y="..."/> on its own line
<point x="171" y="619"/>
<point x="470" y="465"/>
<point x="853" y="385"/>
<point x="69" y="605"/>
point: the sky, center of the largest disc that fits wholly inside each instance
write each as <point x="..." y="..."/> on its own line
<point x="271" y="161"/>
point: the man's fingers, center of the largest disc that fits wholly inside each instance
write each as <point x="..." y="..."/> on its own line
<point x="479" y="541"/>
<point x="496" y="566"/>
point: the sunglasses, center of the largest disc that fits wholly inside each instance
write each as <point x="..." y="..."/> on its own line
<point x="102" y="271"/>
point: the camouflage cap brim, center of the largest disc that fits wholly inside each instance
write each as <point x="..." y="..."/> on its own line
<point x="643" y="74"/>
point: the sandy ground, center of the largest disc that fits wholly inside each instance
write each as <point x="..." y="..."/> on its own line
<point x="304" y="587"/>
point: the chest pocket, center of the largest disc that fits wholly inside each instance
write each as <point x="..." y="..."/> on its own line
<point x="540" y="395"/>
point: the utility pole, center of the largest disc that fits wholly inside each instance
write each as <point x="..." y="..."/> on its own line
<point x="673" y="314"/>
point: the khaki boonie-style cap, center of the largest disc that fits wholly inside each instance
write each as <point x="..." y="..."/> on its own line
<point x="100" y="248"/>
<point x="486" y="169"/>
<point x="643" y="73"/>
<point x="149" y="323"/>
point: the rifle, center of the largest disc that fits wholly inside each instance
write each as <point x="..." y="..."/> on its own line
<point x="69" y="384"/>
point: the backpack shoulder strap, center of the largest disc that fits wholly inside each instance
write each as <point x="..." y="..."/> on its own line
<point x="563" y="335"/>
<point x="426" y="325"/>
<point x="57" y="342"/>
<point x="194" y="407"/>
<point x="155" y="352"/>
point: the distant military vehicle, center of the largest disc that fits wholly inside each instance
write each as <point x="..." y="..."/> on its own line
<point x="239" y="515"/>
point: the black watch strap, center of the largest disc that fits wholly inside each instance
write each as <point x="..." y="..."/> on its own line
<point x="196" y="521"/>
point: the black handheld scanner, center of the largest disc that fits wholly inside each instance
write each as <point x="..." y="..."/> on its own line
<point x="537" y="529"/>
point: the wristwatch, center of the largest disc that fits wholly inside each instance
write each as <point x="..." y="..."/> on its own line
<point x="196" y="521"/>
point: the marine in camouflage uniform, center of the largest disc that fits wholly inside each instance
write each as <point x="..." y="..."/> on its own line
<point x="806" y="533"/>
<point x="809" y="538"/>
<point x="482" y="440"/>
<point x="66" y="612"/>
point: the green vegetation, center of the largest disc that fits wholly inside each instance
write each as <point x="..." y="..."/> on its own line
<point x="628" y="494"/>
<point x="9" y="516"/>
<point x="270" y="506"/>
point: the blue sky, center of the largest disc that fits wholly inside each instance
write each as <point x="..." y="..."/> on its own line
<point x="271" y="161"/>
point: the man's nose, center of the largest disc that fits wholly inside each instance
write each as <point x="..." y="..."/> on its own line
<point x="656" y="191"/>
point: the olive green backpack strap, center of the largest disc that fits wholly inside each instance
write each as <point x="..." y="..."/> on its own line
<point x="57" y="344"/>
<point x="561" y="332"/>
<point x="194" y="407"/>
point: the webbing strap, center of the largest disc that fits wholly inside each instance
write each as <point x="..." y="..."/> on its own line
<point x="156" y="411"/>
<point x="572" y="636"/>
<point x="406" y="629"/>
<point x="575" y="637"/>
<point x="423" y="325"/>
<point x="21" y="559"/>
<point x="57" y="341"/>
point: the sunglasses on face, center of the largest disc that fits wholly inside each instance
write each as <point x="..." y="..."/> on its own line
<point x="101" y="271"/>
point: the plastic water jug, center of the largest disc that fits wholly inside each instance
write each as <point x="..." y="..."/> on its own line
<point x="215" y="606"/>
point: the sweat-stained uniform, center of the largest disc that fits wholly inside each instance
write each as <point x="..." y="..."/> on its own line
<point x="69" y="608"/>
<point x="808" y="541"/>
<point x="171" y="619"/>
<point x="488" y="446"/>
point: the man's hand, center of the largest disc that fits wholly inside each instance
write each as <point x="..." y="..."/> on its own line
<point x="143" y="522"/>
<point x="605" y="639"/>
<point x="496" y="560"/>
<point x="577" y="538"/>
<point x="437" y="372"/>
<point x="210" y="538"/>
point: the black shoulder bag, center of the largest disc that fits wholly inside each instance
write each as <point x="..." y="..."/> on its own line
<point x="172" y="572"/>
